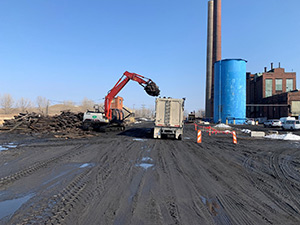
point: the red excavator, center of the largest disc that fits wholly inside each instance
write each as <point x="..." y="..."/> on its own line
<point x="113" y="118"/>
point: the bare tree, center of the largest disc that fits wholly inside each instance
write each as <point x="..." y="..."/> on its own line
<point x="42" y="104"/>
<point x="7" y="103"/>
<point x="144" y="112"/>
<point x="87" y="103"/>
<point x="24" y="104"/>
<point x="185" y="113"/>
<point x="68" y="104"/>
<point x="200" y="113"/>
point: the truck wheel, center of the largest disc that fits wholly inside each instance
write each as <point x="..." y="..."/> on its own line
<point x="179" y="137"/>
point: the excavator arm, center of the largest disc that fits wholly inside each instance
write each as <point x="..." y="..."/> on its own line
<point x="150" y="87"/>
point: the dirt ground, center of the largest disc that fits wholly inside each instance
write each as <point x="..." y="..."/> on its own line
<point x="130" y="178"/>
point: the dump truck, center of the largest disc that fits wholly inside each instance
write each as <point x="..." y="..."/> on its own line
<point x="191" y="117"/>
<point x="168" y="118"/>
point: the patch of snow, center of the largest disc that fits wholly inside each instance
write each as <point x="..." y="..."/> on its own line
<point x="7" y="146"/>
<point x="11" y="146"/>
<point x="227" y="131"/>
<point x="145" y="159"/>
<point x="222" y="125"/>
<point x="86" y="165"/>
<point x="138" y="139"/>
<point x="246" y="131"/>
<point x="145" y="165"/>
<point x="2" y="148"/>
<point x="286" y="137"/>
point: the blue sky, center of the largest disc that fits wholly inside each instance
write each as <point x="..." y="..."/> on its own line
<point x="71" y="49"/>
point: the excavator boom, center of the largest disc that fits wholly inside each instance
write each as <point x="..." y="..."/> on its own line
<point x="149" y="86"/>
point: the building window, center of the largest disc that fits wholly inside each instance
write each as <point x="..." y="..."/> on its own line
<point x="268" y="88"/>
<point x="289" y="85"/>
<point x="278" y="84"/>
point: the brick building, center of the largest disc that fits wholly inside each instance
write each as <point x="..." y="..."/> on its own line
<point x="272" y="94"/>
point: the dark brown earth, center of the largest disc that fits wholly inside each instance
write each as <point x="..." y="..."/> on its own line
<point x="130" y="178"/>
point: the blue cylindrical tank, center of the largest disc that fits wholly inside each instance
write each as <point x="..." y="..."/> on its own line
<point x="217" y="92"/>
<point x="230" y="91"/>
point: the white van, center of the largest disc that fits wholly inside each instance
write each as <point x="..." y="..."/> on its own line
<point x="283" y="119"/>
<point x="290" y="123"/>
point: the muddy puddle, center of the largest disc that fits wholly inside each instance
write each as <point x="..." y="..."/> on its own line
<point x="66" y="170"/>
<point x="9" y="207"/>
<point x="146" y="163"/>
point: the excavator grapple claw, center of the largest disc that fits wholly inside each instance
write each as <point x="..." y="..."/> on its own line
<point x="152" y="89"/>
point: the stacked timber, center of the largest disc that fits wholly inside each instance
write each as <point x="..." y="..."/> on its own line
<point x="66" y="122"/>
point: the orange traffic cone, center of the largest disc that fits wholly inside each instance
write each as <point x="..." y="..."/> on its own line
<point x="234" y="137"/>
<point x="199" y="136"/>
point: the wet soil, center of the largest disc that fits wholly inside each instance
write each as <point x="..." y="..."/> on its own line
<point x="130" y="178"/>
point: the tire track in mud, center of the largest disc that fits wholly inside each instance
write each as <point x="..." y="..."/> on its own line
<point x="41" y="165"/>
<point x="200" y="209"/>
<point x="189" y="184"/>
<point x="259" y="182"/>
<point x="242" y="215"/>
<point x="280" y="163"/>
<point x="227" y="211"/>
<point x="170" y="198"/>
<point x="140" y="198"/>
<point x="113" y="162"/>
<point x="211" y="205"/>
<point x="276" y="182"/>
<point x="59" y="206"/>
<point x="78" y="193"/>
<point x="176" y="172"/>
<point x="124" y="207"/>
<point x="261" y="178"/>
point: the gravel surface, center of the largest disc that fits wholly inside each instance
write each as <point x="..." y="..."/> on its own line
<point x="130" y="178"/>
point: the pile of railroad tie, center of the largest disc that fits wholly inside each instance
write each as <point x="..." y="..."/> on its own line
<point x="66" y="122"/>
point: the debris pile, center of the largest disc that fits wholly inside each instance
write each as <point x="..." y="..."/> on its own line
<point x="65" y="124"/>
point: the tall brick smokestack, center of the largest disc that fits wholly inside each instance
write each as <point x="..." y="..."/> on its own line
<point x="209" y="58"/>
<point x="217" y="53"/>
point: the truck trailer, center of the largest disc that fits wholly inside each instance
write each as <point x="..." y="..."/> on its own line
<point x="168" y="118"/>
